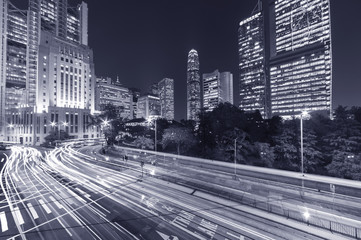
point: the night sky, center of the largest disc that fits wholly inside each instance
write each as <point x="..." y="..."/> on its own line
<point x="144" y="41"/>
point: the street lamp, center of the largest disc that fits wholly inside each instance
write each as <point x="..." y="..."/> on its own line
<point x="155" y="132"/>
<point x="105" y="123"/>
<point x="303" y="114"/>
<point x="65" y="124"/>
<point x="235" y="158"/>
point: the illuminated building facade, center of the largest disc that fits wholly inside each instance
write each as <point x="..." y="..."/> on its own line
<point x="217" y="88"/>
<point x="136" y="94"/>
<point x="166" y="97"/>
<point x="297" y="65"/>
<point x="108" y="92"/>
<point x="66" y="74"/>
<point x="49" y="72"/>
<point x="3" y="32"/>
<point x="16" y="63"/>
<point x="146" y="105"/>
<point x="193" y="86"/>
<point x="301" y="71"/>
<point x="251" y="52"/>
<point x="64" y="21"/>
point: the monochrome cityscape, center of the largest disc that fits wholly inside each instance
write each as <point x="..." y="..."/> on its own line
<point x="263" y="151"/>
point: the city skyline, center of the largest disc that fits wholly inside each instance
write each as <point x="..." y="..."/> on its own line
<point x="85" y="154"/>
<point x="163" y="52"/>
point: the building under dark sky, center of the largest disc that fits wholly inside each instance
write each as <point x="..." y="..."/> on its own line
<point x="146" y="41"/>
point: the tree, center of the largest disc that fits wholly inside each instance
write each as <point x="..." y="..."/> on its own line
<point x="256" y="127"/>
<point x="266" y="154"/>
<point x="312" y="157"/>
<point x="144" y="143"/>
<point x="345" y="165"/>
<point x="287" y="147"/>
<point x="110" y="122"/>
<point x="213" y="126"/>
<point x="356" y="111"/>
<point x="54" y="136"/>
<point x="343" y="148"/>
<point x="180" y="136"/>
<point x="341" y="113"/>
<point x="227" y="144"/>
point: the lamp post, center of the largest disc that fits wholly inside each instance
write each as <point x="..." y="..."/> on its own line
<point x="53" y="124"/>
<point x="65" y="124"/>
<point x="105" y="123"/>
<point x="155" y="135"/>
<point x="155" y="132"/>
<point x="303" y="114"/>
<point x="11" y="126"/>
<point x="235" y="158"/>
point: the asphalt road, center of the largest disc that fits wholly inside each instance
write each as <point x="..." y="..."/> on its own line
<point x="67" y="194"/>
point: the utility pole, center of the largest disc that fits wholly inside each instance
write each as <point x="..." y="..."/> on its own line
<point x="235" y="158"/>
<point x="155" y="123"/>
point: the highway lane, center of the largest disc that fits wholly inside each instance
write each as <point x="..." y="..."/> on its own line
<point x="135" y="166"/>
<point x="42" y="208"/>
<point x="262" y="191"/>
<point x="278" y="199"/>
<point x="65" y="194"/>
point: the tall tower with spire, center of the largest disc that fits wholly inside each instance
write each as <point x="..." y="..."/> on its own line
<point x="193" y="86"/>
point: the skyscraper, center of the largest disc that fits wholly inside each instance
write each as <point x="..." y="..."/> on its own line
<point x="217" y="88"/>
<point x="251" y="52"/>
<point x="49" y="71"/>
<point x="166" y="96"/>
<point x="193" y="86"/>
<point x="109" y="92"/>
<point x="285" y="58"/>
<point x="301" y="67"/>
<point x="146" y="105"/>
<point x="16" y="64"/>
<point x="227" y="86"/>
<point x="3" y="32"/>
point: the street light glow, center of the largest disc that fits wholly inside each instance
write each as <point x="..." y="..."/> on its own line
<point x="53" y="124"/>
<point x="105" y="122"/>
<point x="306" y="215"/>
<point x="304" y="113"/>
<point x="65" y="124"/>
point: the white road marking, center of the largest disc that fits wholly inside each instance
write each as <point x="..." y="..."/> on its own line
<point x="56" y="202"/>
<point x="3" y="221"/>
<point x="18" y="216"/>
<point x="32" y="210"/>
<point x="66" y="229"/>
<point x="44" y="206"/>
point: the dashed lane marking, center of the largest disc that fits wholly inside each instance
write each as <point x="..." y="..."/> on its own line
<point x="18" y="215"/>
<point x="56" y="202"/>
<point x="47" y="210"/>
<point x="3" y="221"/>
<point x="32" y="211"/>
